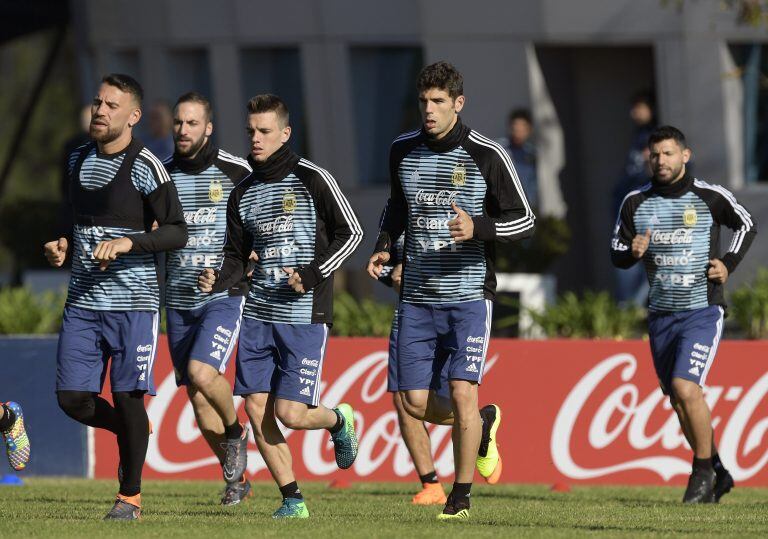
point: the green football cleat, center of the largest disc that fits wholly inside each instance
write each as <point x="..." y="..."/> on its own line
<point x="345" y="441"/>
<point x="488" y="459"/>
<point x="292" y="508"/>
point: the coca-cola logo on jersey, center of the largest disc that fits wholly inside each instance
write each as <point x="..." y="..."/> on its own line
<point x="444" y="197"/>
<point x="679" y="236"/>
<point x="281" y="223"/>
<point x="202" y="216"/>
<point x="623" y="416"/>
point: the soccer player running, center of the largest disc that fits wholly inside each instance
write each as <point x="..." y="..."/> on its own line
<point x="293" y="217"/>
<point x="673" y="225"/>
<point x="14" y="434"/>
<point x="415" y="435"/>
<point x="118" y="189"/>
<point x="454" y="193"/>
<point x="203" y="328"/>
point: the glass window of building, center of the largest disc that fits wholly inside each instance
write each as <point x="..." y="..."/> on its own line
<point x="752" y="67"/>
<point x="277" y="71"/>
<point x="385" y="104"/>
<point x="189" y="72"/>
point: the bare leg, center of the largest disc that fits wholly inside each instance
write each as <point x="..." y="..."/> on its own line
<point x="209" y="422"/>
<point x="696" y="420"/>
<point x="260" y="408"/>
<point x="467" y="429"/>
<point x="415" y="436"/>
<point x="215" y="388"/>
<point x="299" y="416"/>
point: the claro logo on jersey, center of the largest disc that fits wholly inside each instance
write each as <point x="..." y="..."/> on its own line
<point x="202" y="216"/>
<point x="679" y="236"/>
<point x="433" y="223"/>
<point x="444" y="197"/>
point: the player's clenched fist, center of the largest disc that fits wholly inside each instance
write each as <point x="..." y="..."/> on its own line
<point x="56" y="252"/>
<point x="206" y="280"/>
<point x="640" y="244"/>
<point x="107" y="251"/>
<point x="717" y="272"/>
<point x="376" y="264"/>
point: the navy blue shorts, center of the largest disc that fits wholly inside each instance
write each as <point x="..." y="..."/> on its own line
<point x="89" y="338"/>
<point x="439" y="381"/>
<point x="285" y="360"/>
<point x="684" y="344"/>
<point x="448" y="336"/>
<point x="207" y="334"/>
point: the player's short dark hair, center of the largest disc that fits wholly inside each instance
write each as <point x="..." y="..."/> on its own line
<point x="520" y="114"/>
<point x="443" y="76"/>
<point x="196" y="97"/>
<point x="667" y="132"/>
<point x="269" y="103"/>
<point x="125" y="83"/>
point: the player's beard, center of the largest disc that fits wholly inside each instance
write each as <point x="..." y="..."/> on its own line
<point x="193" y="149"/>
<point x="105" y="137"/>
<point x="675" y="174"/>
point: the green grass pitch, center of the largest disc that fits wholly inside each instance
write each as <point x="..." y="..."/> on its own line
<point x="74" y="508"/>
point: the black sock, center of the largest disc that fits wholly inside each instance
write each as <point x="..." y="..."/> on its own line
<point x="133" y="438"/>
<point x="291" y="490"/>
<point x="430" y="477"/>
<point x="717" y="464"/>
<point x="233" y="431"/>
<point x="460" y="494"/>
<point x="8" y="418"/>
<point x="702" y="464"/>
<point x="339" y="423"/>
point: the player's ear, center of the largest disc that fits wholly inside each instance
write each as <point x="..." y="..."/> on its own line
<point x="208" y="129"/>
<point x="286" y="134"/>
<point x="687" y="155"/>
<point x="458" y="103"/>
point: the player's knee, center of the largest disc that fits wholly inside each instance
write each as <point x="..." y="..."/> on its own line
<point x="462" y="392"/>
<point x="76" y="404"/>
<point x="201" y="374"/>
<point x="255" y="407"/>
<point x="685" y="391"/>
<point x="415" y="404"/>
<point x="289" y="414"/>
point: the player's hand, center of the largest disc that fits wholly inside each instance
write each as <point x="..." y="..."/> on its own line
<point x="640" y="244"/>
<point x="462" y="227"/>
<point x="376" y="264"/>
<point x="294" y="280"/>
<point x="206" y="280"/>
<point x="252" y="260"/>
<point x="717" y="272"/>
<point x="107" y="251"/>
<point x="397" y="277"/>
<point x="56" y="252"/>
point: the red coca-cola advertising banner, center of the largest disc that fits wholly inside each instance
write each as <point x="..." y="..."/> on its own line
<point x="573" y="411"/>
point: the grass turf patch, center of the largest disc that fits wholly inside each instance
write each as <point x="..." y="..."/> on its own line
<point x="74" y="508"/>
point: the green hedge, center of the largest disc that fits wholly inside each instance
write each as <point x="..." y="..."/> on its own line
<point x="594" y="315"/>
<point x="749" y="306"/>
<point x="25" y="312"/>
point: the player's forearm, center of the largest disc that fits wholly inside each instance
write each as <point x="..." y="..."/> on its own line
<point x="166" y="237"/>
<point x="505" y="229"/>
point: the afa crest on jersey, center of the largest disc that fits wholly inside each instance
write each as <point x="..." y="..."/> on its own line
<point x="289" y="201"/>
<point x="690" y="218"/>
<point x="215" y="191"/>
<point x="459" y="175"/>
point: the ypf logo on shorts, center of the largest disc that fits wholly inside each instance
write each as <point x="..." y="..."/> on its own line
<point x="220" y="343"/>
